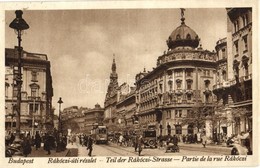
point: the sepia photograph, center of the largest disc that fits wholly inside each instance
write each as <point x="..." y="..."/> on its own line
<point x="129" y="85"/>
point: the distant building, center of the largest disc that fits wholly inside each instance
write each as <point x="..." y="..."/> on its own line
<point x="36" y="91"/>
<point x="125" y="108"/>
<point x="93" y="117"/>
<point x="234" y="82"/>
<point x="111" y="99"/>
<point x="69" y="112"/>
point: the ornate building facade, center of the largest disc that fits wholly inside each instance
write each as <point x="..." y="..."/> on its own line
<point x="111" y="99"/>
<point x="183" y="80"/>
<point x="36" y="92"/>
<point x="234" y="83"/>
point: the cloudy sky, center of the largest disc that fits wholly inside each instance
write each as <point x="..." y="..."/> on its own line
<point x="80" y="44"/>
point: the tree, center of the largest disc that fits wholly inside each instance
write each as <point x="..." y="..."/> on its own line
<point x="197" y="117"/>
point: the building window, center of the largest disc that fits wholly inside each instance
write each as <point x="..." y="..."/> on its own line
<point x="160" y="87"/>
<point x="189" y="73"/>
<point x="33" y="92"/>
<point x="206" y="98"/>
<point x="245" y="20"/>
<point x="245" y="64"/>
<point x="34" y="76"/>
<point x="178" y="83"/>
<point x="15" y="92"/>
<point x="206" y="72"/>
<point x="224" y="74"/>
<point x="189" y="84"/>
<point x="190" y="129"/>
<point x="178" y="73"/>
<point x="245" y="43"/>
<point x="188" y="36"/>
<point x="178" y="37"/>
<point x="188" y="96"/>
<point x="207" y="83"/>
<point x="237" y="25"/>
<point x="223" y="53"/>
<point x="6" y="89"/>
<point x="178" y="113"/>
<point x="178" y="129"/>
<point x="33" y="108"/>
<point x="236" y="47"/>
<point x="168" y="114"/>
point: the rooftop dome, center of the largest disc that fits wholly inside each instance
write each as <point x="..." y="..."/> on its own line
<point x="183" y="36"/>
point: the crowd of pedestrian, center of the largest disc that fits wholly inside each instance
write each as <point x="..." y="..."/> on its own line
<point x="49" y="141"/>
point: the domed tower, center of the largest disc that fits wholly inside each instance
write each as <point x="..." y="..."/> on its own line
<point x="183" y="36"/>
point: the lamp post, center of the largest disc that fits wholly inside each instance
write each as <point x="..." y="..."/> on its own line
<point x="19" y="24"/>
<point x="60" y="102"/>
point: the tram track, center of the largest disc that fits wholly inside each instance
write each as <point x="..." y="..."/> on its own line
<point x="111" y="147"/>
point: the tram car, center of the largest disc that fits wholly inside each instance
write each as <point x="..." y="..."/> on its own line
<point x="100" y="134"/>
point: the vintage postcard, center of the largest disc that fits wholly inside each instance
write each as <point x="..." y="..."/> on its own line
<point x="129" y="84"/>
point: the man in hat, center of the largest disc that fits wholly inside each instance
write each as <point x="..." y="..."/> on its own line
<point x="90" y="145"/>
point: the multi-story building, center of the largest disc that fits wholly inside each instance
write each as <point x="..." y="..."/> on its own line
<point x="111" y="99"/>
<point x="36" y="91"/>
<point x="125" y="107"/>
<point x="182" y="81"/>
<point x="93" y="117"/>
<point x="234" y="83"/>
<point x="69" y="112"/>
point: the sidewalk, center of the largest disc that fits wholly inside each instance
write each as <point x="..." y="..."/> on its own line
<point x="209" y="147"/>
<point x="71" y="151"/>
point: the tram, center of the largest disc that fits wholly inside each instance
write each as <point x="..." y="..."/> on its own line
<point x="100" y="134"/>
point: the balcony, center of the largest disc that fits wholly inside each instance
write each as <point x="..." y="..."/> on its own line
<point x="225" y="84"/>
<point x="34" y="98"/>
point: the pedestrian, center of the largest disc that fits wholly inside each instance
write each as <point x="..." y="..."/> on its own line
<point x="140" y="144"/>
<point x="37" y="140"/>
<point x="136" y="142"/>
<point x="11" y="140"/>
<point x="47" y="144"/>
<point x="175" y="140"/>
<point x="204" y="140"/>
<point x="90" y="145"/>
<point x="26" y="146"/>
<point x="121" y="139"/>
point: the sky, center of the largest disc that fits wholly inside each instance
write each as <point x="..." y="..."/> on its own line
<point x="80" y="44"/>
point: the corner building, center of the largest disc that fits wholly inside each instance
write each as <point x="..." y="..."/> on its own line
<point x="182" y="80"/>
<point x="36" y="92"/>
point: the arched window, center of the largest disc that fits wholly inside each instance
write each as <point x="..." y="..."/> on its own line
<point x="190" y="129"/>
<point x="178" y="129"/>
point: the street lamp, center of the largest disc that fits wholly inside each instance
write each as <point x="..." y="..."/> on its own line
<point x="60" y="102"/>
<point x="19" y="24"/>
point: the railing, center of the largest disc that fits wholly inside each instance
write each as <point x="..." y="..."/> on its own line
<point x="195" y="55"/>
